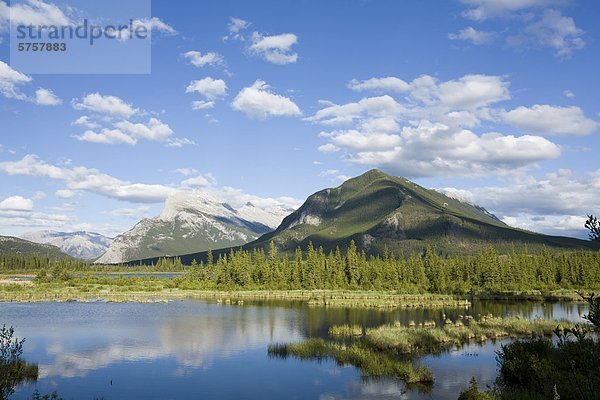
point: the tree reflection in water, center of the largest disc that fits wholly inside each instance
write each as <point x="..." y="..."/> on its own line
<point x="14" y="371"/>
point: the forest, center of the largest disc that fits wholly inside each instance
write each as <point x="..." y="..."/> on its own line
<point x="431" y="272"/>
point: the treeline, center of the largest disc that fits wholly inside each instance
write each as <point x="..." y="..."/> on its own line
<point x="32" y="262"/>
<point x="426" y="272"/>
<point x="312" y="268"/>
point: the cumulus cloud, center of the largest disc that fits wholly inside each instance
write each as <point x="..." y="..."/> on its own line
<point x="258" y="101"/>
<point x="200" y="60"/>
<point x="107" y="136"/>
<point x="470" y="34"/>
<point x="434" y="149"/>
<point x="432" y="130"/>
<point x="208" y="87"/>
<point x="46" y="97"/>
<point x="546" y="119"/>
<point x="235" y="27"/>
<point x="155" y="129"/>
<point x="388" y="84"/>
<point x="276" y="49"/>
<point x="554" y="204"/>
<point x="186" y="171"/>
<point x="33" y="12"/>
<point x="88" y="180"/>
<point x="86" y="122"/>
<point x="11" y="82"/>
<point x="481" y="10"/>
<point x="154" y="24"/>
<point x="202" y="104"/>
<point x="180" y="142"/>
<point x="114" y="121"/>
<point x="199" y="180"/>
<point x="16" y="203"/>
<point x="473" y="91"/>
<point x="554" y="31"/>
<point x="105" y="104"/>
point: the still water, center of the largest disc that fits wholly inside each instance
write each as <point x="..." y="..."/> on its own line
<point x="197" y="349"/>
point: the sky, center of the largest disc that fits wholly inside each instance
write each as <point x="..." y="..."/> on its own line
<point x="494" y="102"/>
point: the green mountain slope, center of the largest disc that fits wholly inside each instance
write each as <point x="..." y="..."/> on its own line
<point x="13" y="245"/>
<point x="377" y="210"/>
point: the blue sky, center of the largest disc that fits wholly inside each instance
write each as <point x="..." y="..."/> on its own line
<point x="491" y="101"/>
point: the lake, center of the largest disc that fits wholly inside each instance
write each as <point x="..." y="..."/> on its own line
<point x="201" y="349"/>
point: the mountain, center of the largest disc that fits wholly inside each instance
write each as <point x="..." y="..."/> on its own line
<point x="193" y="222"/>
<point x="82" y="245"/>
<point x="377" y="210"/>
<point x="13" y="245"/>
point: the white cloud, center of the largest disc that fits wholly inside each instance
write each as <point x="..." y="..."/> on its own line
<point x="64" y="194"/>
<point x="180" y="142"/>
<point x="46" y="97"/>
<point x="555" y="204"/>
<point x="202" y="104"/>
<point x="200" y="60"/>
<point x="435" y="149"/>
<point x="569" y="94"/>
<point x="484" y="9"/>
<point x="276" y="49"/>
<point x="554" y="31"/>
<point x="87" y="179"/>
<point x="432" y="130"/>
<point x="258" y="101"/>
<point x="235" y="27"/>
<point x="472" y="35"/>
<point x="199" y="181"/>
<point x="186" y="171"/>
<point x="546" y="119"/>
<point x="120" y="123"/>
<point x="458" y="194"/>
<point x="16" y="203"/>
<point x="86" y="122"/>
<point x="107" y="136"/>
<point x="388" y="84"/>
<point x="208" y="87"/>
<point x="155" y="129"/>
<point x="328" y="148"/>
<point x="33" y="12"/>
<point x="329" y="172"/>
<point x="473" y="91"/>
<point x="154" y="24"/>
<point x="334" y="114"/>
<point x="109" y="105"/>
<point x="10" y="80"/>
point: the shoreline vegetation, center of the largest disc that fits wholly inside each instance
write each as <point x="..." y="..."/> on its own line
<point x="391" y="350"/>
<point x="333" y="279"/>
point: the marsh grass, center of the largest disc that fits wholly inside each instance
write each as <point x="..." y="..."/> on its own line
<point x="413" y="340"/>
<point x="346" y="330"/>
<point x="370" y="362"/>
<point x="156" y="288"/>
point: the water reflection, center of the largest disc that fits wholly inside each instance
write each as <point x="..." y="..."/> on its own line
<point x="195" y="348"/>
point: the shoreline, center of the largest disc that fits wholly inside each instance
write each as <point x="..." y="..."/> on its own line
<point x="28" y="292"/>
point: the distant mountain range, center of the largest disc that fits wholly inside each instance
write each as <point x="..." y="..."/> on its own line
<point x="13" y="245"/>
<point x="82" y="245"/>
<point x="193" y="222"/>
<point x="380" y="211"/>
